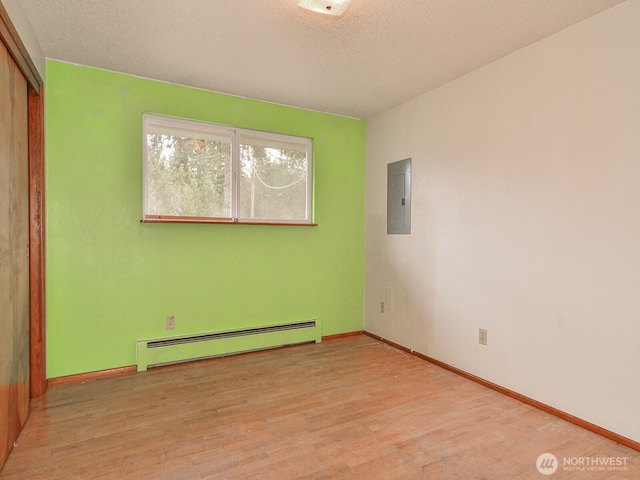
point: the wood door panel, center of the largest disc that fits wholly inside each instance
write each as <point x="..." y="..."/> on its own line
<point x="14" y="262"/>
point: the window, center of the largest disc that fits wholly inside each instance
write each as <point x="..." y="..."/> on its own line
<point x="200" y="172"/>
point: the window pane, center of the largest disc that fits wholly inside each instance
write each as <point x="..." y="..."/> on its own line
<point x="273" y="179"/>
<point x="196" y="171"/>
<point x="188" y="175"/>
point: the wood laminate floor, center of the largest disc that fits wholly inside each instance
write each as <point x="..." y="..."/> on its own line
<point x="349" y="408"/>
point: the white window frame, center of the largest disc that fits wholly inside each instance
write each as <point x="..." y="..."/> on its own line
<point x="153" y="121"/>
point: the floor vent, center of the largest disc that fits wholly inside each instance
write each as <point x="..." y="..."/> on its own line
<point x="161" y="351"/>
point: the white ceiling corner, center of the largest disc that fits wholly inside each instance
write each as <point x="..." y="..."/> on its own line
<point x="379" y="54"/>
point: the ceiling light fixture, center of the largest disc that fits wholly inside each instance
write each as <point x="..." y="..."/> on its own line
<point x="328" y="7"/>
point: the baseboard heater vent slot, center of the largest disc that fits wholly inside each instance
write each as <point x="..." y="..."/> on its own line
<point x="161" y="351"/>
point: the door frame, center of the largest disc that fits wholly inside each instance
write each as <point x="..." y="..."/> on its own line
<point x="37" y="315"/>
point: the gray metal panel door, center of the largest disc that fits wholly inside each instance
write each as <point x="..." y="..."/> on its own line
<point x="399" y="197"/>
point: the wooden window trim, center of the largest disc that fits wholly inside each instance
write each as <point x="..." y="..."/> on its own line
<point x="219" y="221"/>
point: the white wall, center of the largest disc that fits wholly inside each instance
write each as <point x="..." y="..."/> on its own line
<point x="526" y="222"/>
<point x="20" y="21"/>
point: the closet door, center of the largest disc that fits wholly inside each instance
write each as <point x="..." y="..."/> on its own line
<point x="14" y="261"/>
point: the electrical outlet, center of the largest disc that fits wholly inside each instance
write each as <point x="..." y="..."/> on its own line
<point x="382" y="307"/>
<point x="482" y="337"/>
<point x="171" y="322"/>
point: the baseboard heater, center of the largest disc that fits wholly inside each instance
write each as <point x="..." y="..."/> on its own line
<point x="165" y="350"/>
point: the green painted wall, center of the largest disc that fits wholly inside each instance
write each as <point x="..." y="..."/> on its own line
<point x="112" y="279"/>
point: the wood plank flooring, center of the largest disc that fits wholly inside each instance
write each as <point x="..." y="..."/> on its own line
<point x="352" y="408"/>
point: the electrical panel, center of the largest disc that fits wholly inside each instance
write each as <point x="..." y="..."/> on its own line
<point x="399" y="197"/>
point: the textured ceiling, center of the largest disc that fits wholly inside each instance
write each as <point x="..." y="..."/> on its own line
<point x="379" y="54"/>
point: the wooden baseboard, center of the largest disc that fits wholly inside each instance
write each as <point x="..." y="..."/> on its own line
<point x="342" y="335"/>
<point x="83" y="377"/>
<point x="627" y="442"/>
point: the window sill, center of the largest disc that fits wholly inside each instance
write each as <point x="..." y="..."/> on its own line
<point x="223" y="221"/>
